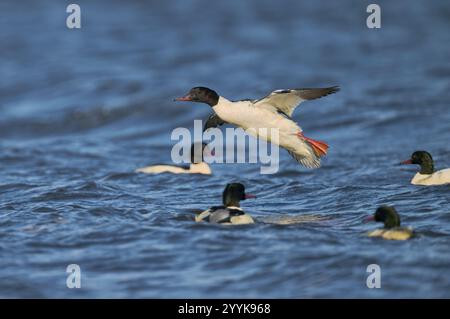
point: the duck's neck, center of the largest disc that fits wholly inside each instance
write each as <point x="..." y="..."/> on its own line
<point x="427" y="167"/>
<point x="222" y="104"/>
<point x="392" y="222"/>
<point x="231" y="203"/>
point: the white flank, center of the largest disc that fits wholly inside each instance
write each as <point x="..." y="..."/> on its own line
<point x="437" y="178"/>
<point x="200" y="168"/>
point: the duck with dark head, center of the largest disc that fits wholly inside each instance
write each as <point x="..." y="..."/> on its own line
<point x="260" y="116"/>
<point x="391" y="220"/>
<point x="230" y="213"/>
<point x="427" y="175"/>
<point x="197" y="165"/>
<point x="202" y="95"/>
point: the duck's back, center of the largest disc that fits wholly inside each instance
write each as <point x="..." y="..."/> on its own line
<point x="200" y="168"/>
<point x="397" y="233"/>
<point x="437" y="178"/>
<point x="224" y="215"/>
<point x="158" y="169"/>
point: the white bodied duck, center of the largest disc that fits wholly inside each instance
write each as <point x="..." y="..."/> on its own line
<point x="197" y="166"/>
<point x="427" y="175"/>
<point x="259" y="116"/>
<point x="392" y="230"/>
<point x="230" y="212"/>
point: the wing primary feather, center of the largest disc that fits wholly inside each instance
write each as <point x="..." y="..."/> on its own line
<point x="311" y="94"/>
<point x="287" y="101"/>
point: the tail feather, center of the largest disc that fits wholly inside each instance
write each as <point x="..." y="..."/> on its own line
<point x="310" y="162"/>
<point x="318" y="149"/>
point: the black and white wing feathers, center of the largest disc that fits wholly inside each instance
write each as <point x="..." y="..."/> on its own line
<point x="286" y="101"/>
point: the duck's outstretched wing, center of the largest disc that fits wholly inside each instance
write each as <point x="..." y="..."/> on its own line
<point x="213" y="121"/>
<point x="286" y="101"/>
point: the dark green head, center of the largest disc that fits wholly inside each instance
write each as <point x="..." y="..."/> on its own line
<point x="387" y="215"/>
<point x="202" y="95"/>
<point x="234" y="193"/>
<point x="423" y="159"/>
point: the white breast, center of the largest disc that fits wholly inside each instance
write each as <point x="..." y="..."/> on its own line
<point x="437" y="178"/>
<point x="245" y="115"/>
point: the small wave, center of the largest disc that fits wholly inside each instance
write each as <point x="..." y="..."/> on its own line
<point x="294" y="219"/>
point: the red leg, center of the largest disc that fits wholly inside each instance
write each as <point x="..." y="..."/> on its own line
<point x="320" y="148"/>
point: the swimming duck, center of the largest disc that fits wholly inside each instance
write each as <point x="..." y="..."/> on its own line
<point x="392" y="230"/>
<point x="230" y="212"/>
<point x="427" y="175"/>
<point x="197" y="166"/>
<point x="259" y="116"/>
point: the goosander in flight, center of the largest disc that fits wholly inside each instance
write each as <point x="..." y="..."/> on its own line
<point x="197" y="166"/>
<point x="392" y="230"/>
<point x="230" y="212"/>
<point x="427" y="175"/>
<point x="273" y="111"/>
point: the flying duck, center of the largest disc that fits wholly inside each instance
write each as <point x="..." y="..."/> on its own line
<point x="427" y="175"/>
<point x="273" y="111"/>
<point x="230" y="213"/>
